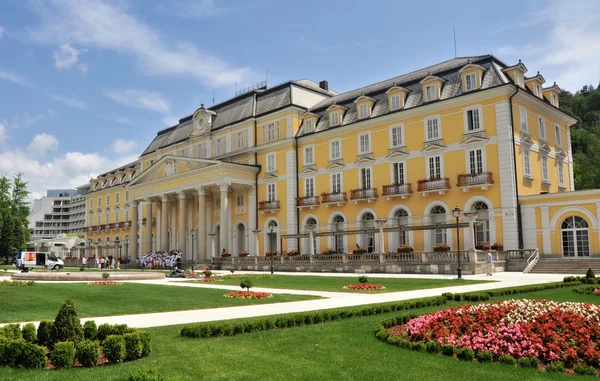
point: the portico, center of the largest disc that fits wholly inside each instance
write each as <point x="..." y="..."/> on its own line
<point x="180" y="195"/>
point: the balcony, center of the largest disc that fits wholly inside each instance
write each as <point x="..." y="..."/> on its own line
<point x="269" y="206"/>
<point x="439" y="185"/>
<point x="337" y="199"/>
<point x="475" y="180"/>
<point x="311" y="202"/>
<point x="364" y="194"/>
<point x="397" y="190"/>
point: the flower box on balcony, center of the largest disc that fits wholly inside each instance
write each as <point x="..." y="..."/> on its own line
<point x="397" y="190"/>
<point x="243" y="254"/>
<point x="404" y="249"/>
<point x="433" y="184"/>
<point x="469" y="180"/>
<point x="292" y="253"/>
<point x="337" y="199"/>
<point x="225" y="255"/>
<point x="359" y="251"/>
<point x="440" y="249"/>
<point x="271" y="254"/>
<point x="498" y="246"/>
<point x="364" y="194"/>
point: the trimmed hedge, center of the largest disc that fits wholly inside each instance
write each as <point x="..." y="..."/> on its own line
<point x="88" y="353"/>
<point x="486" y="295"/>
<point x="215" y="329"/>
<point x="90" y="330"/>
<point x="114" y="348"/>
<point x="585" y="290"/>
<point x="63" y="354"/>
<point x="44" y="332"/>
<point x="33" y="356"/>
<point x="29" y="333"/>
<point x="11" y="332"/>
<point x="133" y="346"/>
<point x="146" y="343"/>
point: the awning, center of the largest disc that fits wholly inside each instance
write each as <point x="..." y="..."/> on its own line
<point x="375" y="231"/>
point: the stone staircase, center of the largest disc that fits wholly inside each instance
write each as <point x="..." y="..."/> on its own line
<point x="575" y="266"/>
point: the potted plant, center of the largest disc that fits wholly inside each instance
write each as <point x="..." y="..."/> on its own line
<point x="483" y="246"/>
<point x="225" y="254"/>
<point x="293" y="252"/>
<point x="440" y="247"/>
<point x="359" y="250"/>
<point x="499" y="246"/>
<point x="325" y="252"/>
<point x="404" y="249"/>
<point x="270" y="254"/>
<point x="331" y="251"/>
<point x="244" y="253"/>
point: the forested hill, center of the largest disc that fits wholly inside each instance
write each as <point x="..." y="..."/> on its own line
<point x="585" y="134"/>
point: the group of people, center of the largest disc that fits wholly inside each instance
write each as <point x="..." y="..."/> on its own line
<point x="160" y="259"/>
<point x="103" y="263"/>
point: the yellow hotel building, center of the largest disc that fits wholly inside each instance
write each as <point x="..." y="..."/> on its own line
<point x="275" y="168"/>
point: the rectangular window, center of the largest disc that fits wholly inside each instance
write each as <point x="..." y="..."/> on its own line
<point x="108" y="201"/>
<point x="475" y="161"/>
<point x="309" y="187"/>
<point x="558" y="136"/>
<point x="555" y="100"/>
<point x="92" y="204"/>
<point x="523" y="116"/>
<point x="336" y="182"/>
<point x="364" y="111"/>
<point x="240" y="139"/>
<point x="218" y="203"/>
<point x="473" y="120"/>
<point x="470" y="82"/>
<point x="430" y="93"/>
<point x="335" y="150"/>
<point x="519" y="79"/>
<point x="277" y="131"/>
<point x="116" y="217"/>
<point x="395" y="102"/>
<point x="239" y="200"/>
<point x="218" y="145"/>
<point x="397" y="140"/>
<point x="271" y="192"/>
<point x="117" y="198"/>
<point x="435" y="167"/>
<point x="365" y="178"/>
<point x="433" y="128"/>
<point x="335" y="118"/>
<point x="308" y="125"/>
<point x="271" y="130"/>
<point x="561" y="174"/>
<point x="107" y="218"/>
<point x="126" y="195"/>
<point x="364" y="144"/>
<point x="99" y="202"/>
<point x="127" y="216"/>
<point x="545" y="168"/>
<point x="526" y="163"/>
<point x="264" y="134"/>
<point x="98" y="220"/>
<point x="398" y="173"/>
<point x="271" y="162"/>
<point x="309" y="158"/>
<point x="542" y="126"/>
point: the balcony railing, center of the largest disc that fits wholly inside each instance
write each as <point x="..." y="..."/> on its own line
<point x="307" y="202"/>
<point x="440" y="185"/>
<point x="334" y="198"/>
<point x="483" y="180"/>
<point x="268" y="206"/>
<point x="394" y="190"/>
<point x="369" y="194"/>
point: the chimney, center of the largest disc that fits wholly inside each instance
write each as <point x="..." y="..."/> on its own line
<point x="324" y="85"/>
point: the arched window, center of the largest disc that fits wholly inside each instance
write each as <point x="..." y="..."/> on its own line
<point x="272" y="237"/>
<point x="482" y="230"/>
<point x="575" y="237"/>
<point x="311" y="222"/>
<point x="438" y="216"/>
<point x="401" y="219"/>
<point x="117" y="251"/>
<point x="338" y="226"/>
<point x="107" y="246"/>
<point x="368" y="222"/>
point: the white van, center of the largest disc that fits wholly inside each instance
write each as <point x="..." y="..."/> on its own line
<point x="29" y="260"/>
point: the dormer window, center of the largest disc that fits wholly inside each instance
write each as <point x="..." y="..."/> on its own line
<point x="554" y="100"/>
<point x="396" y="95"/>
<point x="430" y="93"/>
<point x="538" y="90"/>
<point x="395" y="102"/>
<point x="309" y="125"/>
<point x="470" y="82"/>
<point x="471" y="76"/>
<point x="334" y="118"/>
<point x="363" y="111"/>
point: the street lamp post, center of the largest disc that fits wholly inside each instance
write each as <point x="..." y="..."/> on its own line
<point x="456" y="214"/>
<point x="193" y="244"/>
<point x="271" y="246"/>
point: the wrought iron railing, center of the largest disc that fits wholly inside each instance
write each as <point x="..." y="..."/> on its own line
<point x="433" y="184"/>
<point x="469" y="179"/>
<point x="307" y="201"/>
<point x="363" y="193"/>
<point x="397" y="189"/>
<point x="329" y="198"/>
<point x="269" y="205"/>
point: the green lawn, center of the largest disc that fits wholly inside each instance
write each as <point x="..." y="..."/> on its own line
<point x="42" y="301"/>
<point x="340" y="350"/>
<point x="336" y="284"/>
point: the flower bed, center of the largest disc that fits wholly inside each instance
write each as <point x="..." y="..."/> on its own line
<point x="587" y="290"/>
<point x="549" y="331"/>
<point x="364" y="286"/>
<point x="248" y="295"/>
<point x="208" y="280"/>
<point x="105" y="283"/>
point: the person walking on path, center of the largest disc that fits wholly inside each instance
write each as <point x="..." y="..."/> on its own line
<point x="83" y="262"/>
<point x="490" y="261"/>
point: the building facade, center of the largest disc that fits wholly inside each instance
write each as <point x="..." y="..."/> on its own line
<point x="62" y="211"/>
<point x="285" y="168"/>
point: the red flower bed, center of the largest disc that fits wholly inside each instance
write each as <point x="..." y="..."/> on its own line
<point x="208" y="280"/>
<point x="550" y="331"/>
<point x="248" y="295"/>
<point x="364" y="286"/>
<point x="105" y="282"/>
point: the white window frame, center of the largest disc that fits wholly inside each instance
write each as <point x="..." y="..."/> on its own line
<point x="519" y="78"/>
<point x="309" y="187"/>
<point x="99" y="220"/>
<point x="332" y="182"/>
<point x="218" y="145"/>
<point x="368" y="149"/>
<point x="271" y="191"/>
<point x="561" y="173"/>
<point x="271" y="159"/>
<point x="439" y="128"/>
<point x="542" y="128"/>
<point x="117" y="198"/>
<point x="240" y="139"/>
<point x="117" y="217"/>
<point x="557" y="136"/>
<point x="472" y="77"/>
<point x="363" y="109"/>
<point x="544" y="168"/>
<point x="100" y="202"/>
<point x="395" y="98"/>
<point x="394" y="169"/>
<point x="433" y="96"/>
<point x="240" y="200"/>
<point x="271" y="131"/>
<point x="309" y="125"/>
<point x="277" y="130"/>
<point x="126" y="215"/>
<point x="365" y="183"/>
<point x="108" y="201"/>
<point x="337" y="142"/>
<point x="483" y="160"/>
<point x="428" y="169"/>
<point x="337" y="118"/>
<point x="126" y="196"/>
<point x="309" y="159"/>
<point x="479" y="110"/>
<point x="527" y="163"/>
<point x="524" y="119"/>
<point x="398" y="131"/>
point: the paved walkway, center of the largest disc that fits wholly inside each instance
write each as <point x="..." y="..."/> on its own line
<point x="330" y="299"/>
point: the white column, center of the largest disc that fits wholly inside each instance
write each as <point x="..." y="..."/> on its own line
<point x="229" y="219"/>
<point x="133" y="246"/>
<point x="208" y="219"/>
<point x="148" y="230"/>
<point x="547" y="244"/>
<point x="181" y="224"/>
<point x="253" y="244"/>
<point x="256" y="241"/>
<point x="381" y="236"/>
<point x="311" y="247"/>
<point x="224" y="188"/>
<point x="201" y="238"/>
<point x="164" y="223"/>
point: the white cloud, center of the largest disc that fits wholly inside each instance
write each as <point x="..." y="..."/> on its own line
<point x="124" y="121"/>
<point x="41" y="144"/>
<point x="570" y="51"/>
<point x="26" y="119"/>
<point x="148" y="100"/>
<point x="2" y="133"/>
<point x="66" y="56"/>
<point x="82" y="67"/>
<point x="101" y="25"/>
<point x="193" y="8"/>
<point x="13" y="78"/>
<point x="122" y="146"/>
<point x="169" y="120"/>
<point x="70" y="102"/>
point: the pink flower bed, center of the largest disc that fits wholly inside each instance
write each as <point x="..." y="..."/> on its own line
<point x="248" y="295"/>
<point x="364" y="286"/>
<point x="550" y="331"/>
<point x="105" y="282"/>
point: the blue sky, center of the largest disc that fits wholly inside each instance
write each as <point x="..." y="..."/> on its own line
<point x="85" y="85"/>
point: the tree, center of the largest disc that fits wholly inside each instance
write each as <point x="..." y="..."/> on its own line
<point x="14" y="214"/>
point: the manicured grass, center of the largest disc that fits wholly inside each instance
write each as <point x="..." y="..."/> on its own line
<point x="336" y="284"/>
<point x="42" y="300"/>
<point x="339" y="350"/>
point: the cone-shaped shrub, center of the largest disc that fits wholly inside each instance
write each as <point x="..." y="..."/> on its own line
<point x="67" y="326"/>
<point x="44" y="332"/>
<point x="29" y="333"/>
<point x="90" y="330"/>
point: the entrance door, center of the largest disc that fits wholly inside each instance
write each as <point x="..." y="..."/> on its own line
<point x="575" y="237"/>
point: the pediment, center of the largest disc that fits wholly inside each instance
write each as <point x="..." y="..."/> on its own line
<point x="474" y="139"/>
<point x="308" y="171"/>
<point x="433" y="147"/>
<point x="335" y="165"/>
<point x="168" y="166"/>
<point x="560" y="154"/>
<point x="364" y="160"/>
<point x="526" y="140"/>
<point x="396" y="153"/>
<point x="271" y="176"/>
<point x="545" y="148"/>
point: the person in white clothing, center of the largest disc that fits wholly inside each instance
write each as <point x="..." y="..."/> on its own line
<point x="489" y="262"/>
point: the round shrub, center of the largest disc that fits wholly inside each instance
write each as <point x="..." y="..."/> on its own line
<point x="63" y="354"/>
<point x="67" y="326"/>
<point x="363" y="279"/>
<point x="11" y="332"/>
<point x="585" y="370"/>
<point x="44" y="332"/>
<point x="528" y="362"/>
<point x="448" y="350"/>
<point x="13" y="352"/>
<point x="465" y="354"/>
<point x="114" y="348"/>
<point x="145" y="375"/>
<point x="484" y="356"/>
<point x="133" y="346"/>
<point x="88" y="353"/>
<point x="33" y="356"/>
<point x="419" y="346"/>
<point x="556" y="366"/>
<point x="104" y="330"/>
<point x="433" y="347"/>
<point x="90" y="330"/>
<point x="246" y="283"/>
<point x="29" y="333"/>
<point x="146" y="343"/>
